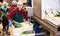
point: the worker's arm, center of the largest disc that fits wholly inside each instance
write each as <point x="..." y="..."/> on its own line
<point x="11" y="15"/>
<point x="25" y="15"/>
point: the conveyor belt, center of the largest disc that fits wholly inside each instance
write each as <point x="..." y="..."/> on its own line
<point x="52" y="28"/>
<point x="51" y="23"/>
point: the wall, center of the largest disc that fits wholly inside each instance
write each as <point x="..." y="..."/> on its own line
<point x="24" y="1"/>
<point x="10" y="1"/>
<point x="1" y="0"/>
<point x="37" y="7"/>
<point x="49" y="4"/>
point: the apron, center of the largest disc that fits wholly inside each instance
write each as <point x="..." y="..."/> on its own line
<point x="5" y="10"/>
<point x="18" y="18"/>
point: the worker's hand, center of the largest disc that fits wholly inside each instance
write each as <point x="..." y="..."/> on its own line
<point x="24" y="20"/>
<point x="10" y="23"/>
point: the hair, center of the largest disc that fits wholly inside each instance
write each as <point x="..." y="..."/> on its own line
<point x="20" y="3"/>
<point x="14" y="2"/>
<point x="5" y="3"/>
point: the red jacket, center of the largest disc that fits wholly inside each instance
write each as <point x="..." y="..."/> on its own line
<point x="11" y="8"/>
<point x="13" y="13"/>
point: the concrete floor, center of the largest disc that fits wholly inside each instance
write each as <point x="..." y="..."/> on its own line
<point x="3" y="33"/>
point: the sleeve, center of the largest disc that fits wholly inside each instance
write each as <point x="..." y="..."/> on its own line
<point x="25" y="15"/>
<point x="11" y="15"/>
<point x="10" y="8"/>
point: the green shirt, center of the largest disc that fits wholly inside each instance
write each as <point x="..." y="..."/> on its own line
<point x="5" y="10"/>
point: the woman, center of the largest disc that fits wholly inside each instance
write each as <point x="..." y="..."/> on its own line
<point x="13" y="5"/>
<point x="5" y="22"/>
<point x="18" y="14"/>
<point x="5" y="8"/>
